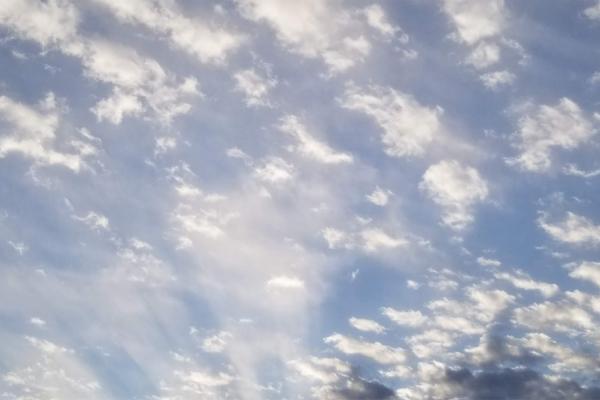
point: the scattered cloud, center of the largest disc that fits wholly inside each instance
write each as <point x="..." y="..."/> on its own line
<point x="408" y="127"/>
<point x="457" y="189"/>
<point x="544" y="128"/>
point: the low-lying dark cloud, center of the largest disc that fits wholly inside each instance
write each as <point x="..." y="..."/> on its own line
<point x="356" y="388"/>
<point x="515" y="384"/>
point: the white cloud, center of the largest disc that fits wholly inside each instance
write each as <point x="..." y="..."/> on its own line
<point x="32" y="133"/>
<point x="19" y="247"/>
<point x="566" y="358"/>
<point x="571" y="169"/>
<point x="379" y="197"/>
<point x="336" y="239"/>
<point x="377" y="20"/>
<point x="593" y="12"/>
<point x="285" y="282"/>
<point x="573" y="229"/>
<point x="366" y="325"/>
<point x="207" y="223"/>
<point x="216" y="343"/>
<point x="139" y="83"/>
<point x="431" y="342"/>
<point x="324" y="370"/>
<point x="587" y="270"/>
<point x="476" y="20"/>
<point x="369" y="239"/>
<point x="544" y="128"/>
<point x="309" y="146"/>
<point x="37" y="322"/>
<point x="563" y="317"/>
<point x="205" y="379"/>
<point x="50" y="371"/>
<point x="497" y="79"/>
<point x="408" y="127"/>
<point x="274" y="170"/>
<point x="311" y="28"/>
<point x="254" y="86"/>
<point x="487" y="302"/>
<point x="409" y="318"/>
<point x="488" y="262"/>
<point x="456" y="188"/>
<point x="48" y="23"/>
<point x="374" y="350"/>
<point x="484" y="55"/>
<point x="523" y="281"/>
<point x="375" y="239"/>
<point x="204" y="40"/>
<point x="119" y="105"/>
<point x="94" y="220"/>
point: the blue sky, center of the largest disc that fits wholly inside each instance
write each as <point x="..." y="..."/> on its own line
<point x="265" y="199"/>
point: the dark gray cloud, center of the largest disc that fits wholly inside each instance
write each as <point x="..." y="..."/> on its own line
<point x="515" y="384"/>
<point x="356" y="388"/>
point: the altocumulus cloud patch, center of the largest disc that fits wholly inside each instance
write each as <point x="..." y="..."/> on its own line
<point x="331" y="200"/>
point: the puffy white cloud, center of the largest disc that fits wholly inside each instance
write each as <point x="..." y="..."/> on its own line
<point x="593" y="11"/>
<point x="37" y="321"/>
<point x="560" y="316"/>
<point x="139" y="83"/>
<point x="431" y="342"/>
<point x="139" y="266"/>
<point x="254" y="86"/>
<point x="205" y="222"/>
<point x="456" y="188"/>
<point x="375" y="239"/>
<point x="94" y="220"/>
<point x="205" y="379"/>
<point x="200" y="38"/>
<point x="325" y="370"/>
<point x="544" y="128"/>
<point x="366" y="325"/>
<point x="488" y="262"/>
<point x="49" y="371"/>
<point x="484" y="55"/>
<point x="409" y="318"/>
<point x="285" y="282"/>
<point x="309" y="146"/>
<point x="379" y="197"/>
<point x="117" y="106"/>
<point x="32" y="133"/>
<point x="216" y="343"/>
<point x="587" y="270"/>
<point x="566" y="358"/>
<point x="488" y="302"/>
<point x="274" y="170"/>
<point x="523" y="281"/>
<point x="408" y="127"/>
<point x="495" y="80"/>
<point x="336" y="239"/>
<point x="469" y="317"/>
<point x="586" y="300"/>
<point x="378" y="20"/>
<point x="48" y="23"/>
<point x="571" y="169"/>
<point x="476" y="20"/>
<point x="374" y="350"/>
<point x="573" y="229"/>
<point x="368" y="239"/>
<point x="312" y="29"/>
